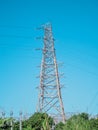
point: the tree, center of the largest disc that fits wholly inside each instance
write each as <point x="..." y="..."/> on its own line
<point x="59" y="126"/>
<point x="38" y="121"/>
<point x="5" y="123"/>
<point x="78" y="122"/>
<point x="93" y="123"/>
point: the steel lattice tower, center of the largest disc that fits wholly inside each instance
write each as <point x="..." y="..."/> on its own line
<point x="50" y="99"/>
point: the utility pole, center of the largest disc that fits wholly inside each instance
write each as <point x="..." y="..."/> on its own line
<point x="20" y="124"/>
<point x="11" y="115"/>
<point x="3" y="117"/>
<point x="49" y="98"/>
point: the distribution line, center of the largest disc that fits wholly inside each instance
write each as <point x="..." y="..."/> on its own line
<point x="15" y="36"/>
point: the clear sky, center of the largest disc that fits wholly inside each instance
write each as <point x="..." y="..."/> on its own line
<point x="75" y="28"/>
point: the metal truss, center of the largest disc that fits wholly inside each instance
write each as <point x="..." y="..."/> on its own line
<point x="50" y="99"/>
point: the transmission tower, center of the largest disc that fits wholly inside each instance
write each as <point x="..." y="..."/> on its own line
<point x="50" y="99"/>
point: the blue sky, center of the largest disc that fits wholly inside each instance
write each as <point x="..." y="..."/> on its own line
<point x="75" y="28"/>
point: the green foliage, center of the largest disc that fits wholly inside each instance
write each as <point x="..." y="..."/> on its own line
<point x="41" y="121"/>
<point x="79" y="122"/>
<point x="16" y="125"/>
<point x="38" y="121"/>
<point x="59" y="126"/>
<point x="93" y="123"/>
<point x="5" y="123"/>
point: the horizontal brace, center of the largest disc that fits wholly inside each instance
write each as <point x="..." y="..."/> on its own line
<point x="52" y="96"/>
<point x="47" y="50"/>
<point x="38" y="38"/>
<point x="47" y="39"/>
<point x="38" y="49"/>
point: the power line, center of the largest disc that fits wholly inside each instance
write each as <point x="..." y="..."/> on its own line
<point x="15" y="36"/>
<point x="85" y="70"/>
<point x="77" y="67"/>
<point x="81" y="57"/>
<point x="15" y="27"/>
<point x="93" y="99"/>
